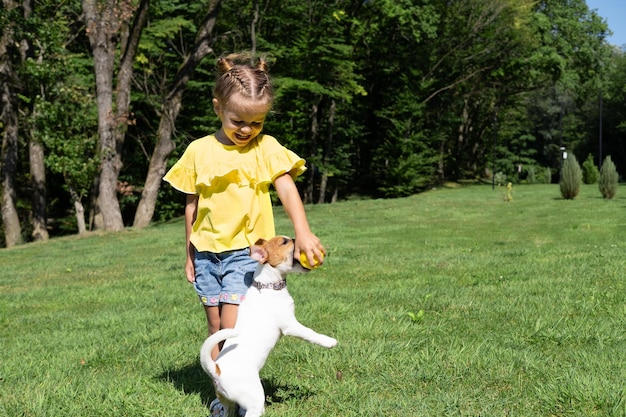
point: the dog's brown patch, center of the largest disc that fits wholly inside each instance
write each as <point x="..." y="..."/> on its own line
<point x="218" y="371"/>
<point x="279" y="249"/>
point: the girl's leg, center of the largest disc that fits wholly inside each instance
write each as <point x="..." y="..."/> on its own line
<point x="222" y="317"/>
<point x="213" y="320"/>
<point x="236" y="273"/>
<point x="229" y="315"/>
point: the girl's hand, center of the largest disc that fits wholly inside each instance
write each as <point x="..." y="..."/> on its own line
<point x="311" y="246"/>
<point x="190" y="271"/>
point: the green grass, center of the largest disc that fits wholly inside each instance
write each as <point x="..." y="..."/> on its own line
<point x="448" y="303"/>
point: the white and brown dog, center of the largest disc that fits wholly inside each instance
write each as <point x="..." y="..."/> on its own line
<point x="264" y="316"/>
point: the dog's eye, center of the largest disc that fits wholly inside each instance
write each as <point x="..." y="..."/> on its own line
<point x="285" y="241"/>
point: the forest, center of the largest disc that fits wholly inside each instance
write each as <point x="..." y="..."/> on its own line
<point x="383" y="98"/>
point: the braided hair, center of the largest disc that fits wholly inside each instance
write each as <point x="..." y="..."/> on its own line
<point x="237" y="73"/>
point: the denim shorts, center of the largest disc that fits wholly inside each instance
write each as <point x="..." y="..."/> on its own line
<point x="223" y="277"/>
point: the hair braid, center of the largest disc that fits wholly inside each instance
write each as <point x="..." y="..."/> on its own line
<point x="250" y="81"/>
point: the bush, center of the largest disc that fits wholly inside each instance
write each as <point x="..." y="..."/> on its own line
<point x="543" y="176"/>
<point x="548" y="176"/>
<point x="608" y="179"/>
<point x="531" y="177"/>
<point x="500" y="179"/>
<point x="571" y="178"/>
<point x="590" y="171"/>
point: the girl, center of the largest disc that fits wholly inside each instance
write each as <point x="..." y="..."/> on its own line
<point x="226" y="177"/>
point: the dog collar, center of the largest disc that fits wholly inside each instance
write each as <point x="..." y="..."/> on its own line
<point x="275" y="286"/>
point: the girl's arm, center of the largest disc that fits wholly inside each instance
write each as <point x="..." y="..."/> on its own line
<point x="306" y="241"/>
<point x="191" y="208"/>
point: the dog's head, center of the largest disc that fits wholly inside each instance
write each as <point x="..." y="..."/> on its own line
<point x="278" y="252"/>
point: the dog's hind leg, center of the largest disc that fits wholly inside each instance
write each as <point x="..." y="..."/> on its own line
<point x="254" y="399"/>
<point x="297" y="329"/>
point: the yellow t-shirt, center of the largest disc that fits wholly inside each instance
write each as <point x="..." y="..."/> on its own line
<point x="232" y="184"/>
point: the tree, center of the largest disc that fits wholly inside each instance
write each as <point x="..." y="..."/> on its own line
<point x="569" y="56"/>
<point x="613" y="118"/>
<point x="320" y="80"/>
<point x="10" y="16"/>
<point x="384" y="97"/>
<point x="32" y="58"/>
<point x="108" y="28"/>
<point x="171" y="108"/>
<point x="398" y="155"/>
<point x="609" y="179"/>
<point x="590" y="171"/>
<point x="571" y="178"/>
<point x="70" y="142"/>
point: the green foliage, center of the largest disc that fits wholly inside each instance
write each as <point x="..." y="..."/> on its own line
<point x="571" y="178"/>
<point x="531" y="174"/>
<point x="382" y="98"/>
<point x="540" y="176"/>
<point x="71" y="142"/>
<point x="500" y="178"/>
<point x="590" y="171"/>
<point x="548" y="176"/>
<point x="58" y="107"/>
<point x="609" y="179"/>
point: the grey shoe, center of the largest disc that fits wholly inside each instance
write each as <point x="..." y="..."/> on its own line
<point x="216" y="409"/>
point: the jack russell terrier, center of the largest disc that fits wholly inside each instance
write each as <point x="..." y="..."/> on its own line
<point x="266" y="314"/>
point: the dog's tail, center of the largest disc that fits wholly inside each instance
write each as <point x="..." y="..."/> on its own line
<point x="208" y="364"/>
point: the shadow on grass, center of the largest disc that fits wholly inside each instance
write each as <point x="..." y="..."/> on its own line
<point x="191" y="379"/>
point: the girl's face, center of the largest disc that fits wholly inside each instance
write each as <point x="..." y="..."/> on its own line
<point x="242" y="120"/>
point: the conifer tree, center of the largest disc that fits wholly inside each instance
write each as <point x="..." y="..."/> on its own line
<point x="571" y="178"/>
<point x="609" y="179"/>
<point x="590" y="171"/>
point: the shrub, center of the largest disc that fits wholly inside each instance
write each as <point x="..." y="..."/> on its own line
<point x="500" y="179"/>
<point x="531" y="177"/>
<point x="608" y="179"/>
<point x="544" y="176"/>
<point x="571" y="178"/>
<point x="590" y="171"/>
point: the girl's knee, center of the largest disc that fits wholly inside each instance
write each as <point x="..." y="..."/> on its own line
<point x="213" y="318"/>
<point x="228" y="316"/>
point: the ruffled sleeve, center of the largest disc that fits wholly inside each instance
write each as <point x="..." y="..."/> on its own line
<point x="278" y="160"/>
<point x="182" y="176"/>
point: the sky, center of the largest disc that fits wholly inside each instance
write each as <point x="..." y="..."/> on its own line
<point x="614" y="12"/>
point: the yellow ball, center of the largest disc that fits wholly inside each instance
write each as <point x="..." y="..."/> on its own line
<point x="305" y="262"/>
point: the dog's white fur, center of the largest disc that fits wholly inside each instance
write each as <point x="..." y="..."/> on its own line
<point x="263" y="316"/>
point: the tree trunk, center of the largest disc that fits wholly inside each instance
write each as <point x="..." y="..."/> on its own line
<point x="253" y="28"/>
<point x="79" y="210"/>
<point x="10" y="218"/>
<point x="308" y="194"/>
<point x="105" y="23"/>
<point x="102" y="30"/>
<point x="441" y="161"/>
<point x="9" y="120"/>
<point x="36" y="153"/>
<point x="38" y="185"/>
<point x="171" y="108"/>
<point x="327" y="151"/>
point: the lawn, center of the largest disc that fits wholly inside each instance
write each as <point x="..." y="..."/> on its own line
<point x="448" y="303"/>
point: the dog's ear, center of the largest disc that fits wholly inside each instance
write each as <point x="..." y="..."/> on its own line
<point x="258" y="253"/>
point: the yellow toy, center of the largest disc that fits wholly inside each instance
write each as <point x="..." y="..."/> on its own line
<point x="305" y="262"/>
